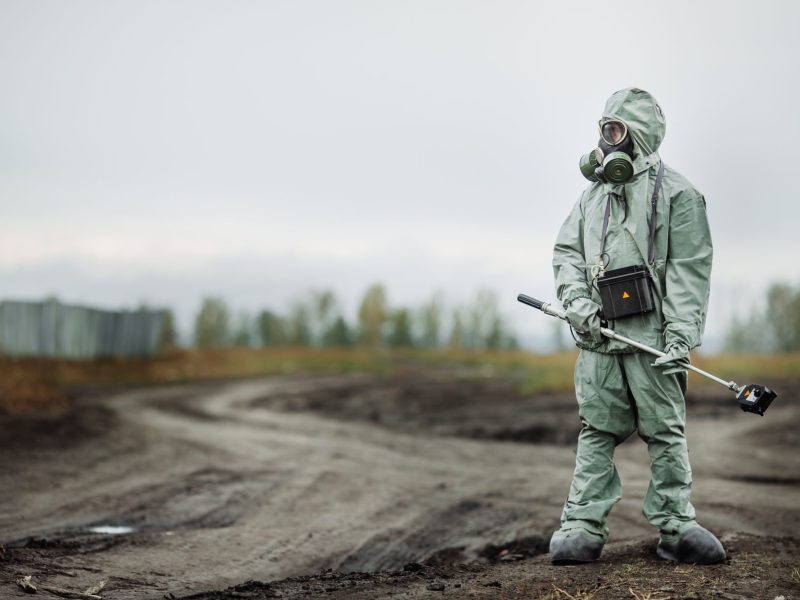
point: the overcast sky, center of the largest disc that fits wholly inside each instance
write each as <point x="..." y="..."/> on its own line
<point x="165" y="150"/>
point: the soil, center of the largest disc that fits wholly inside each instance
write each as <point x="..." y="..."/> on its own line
<point x="364" y="486"/>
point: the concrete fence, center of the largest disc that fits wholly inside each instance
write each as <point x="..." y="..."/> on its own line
<point x="59" y="330"/>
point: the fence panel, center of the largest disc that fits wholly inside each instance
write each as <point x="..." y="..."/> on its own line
<point x="60" y="330"/>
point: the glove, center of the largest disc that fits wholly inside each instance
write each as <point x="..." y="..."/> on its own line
<point x="584" y="316"/>
<point x="677" y="353"/>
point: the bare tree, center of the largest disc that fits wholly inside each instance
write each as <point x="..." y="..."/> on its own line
<point x="211" y="326"/>
<point x="430" y="317"/>
<point x="300" y="325"/>
<point x="323" y="304"/>
<point x="483" y="321"/>
<point x="456" y="339"/>
<point x="372" y="315"/>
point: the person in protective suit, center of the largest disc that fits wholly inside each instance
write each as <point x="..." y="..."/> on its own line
<point x="637" y="212"/>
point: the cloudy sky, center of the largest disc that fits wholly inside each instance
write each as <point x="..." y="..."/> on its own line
<point x="166" y="150"/>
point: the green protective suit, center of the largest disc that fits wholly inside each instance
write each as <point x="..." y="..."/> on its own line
<point x="618" y="390"/>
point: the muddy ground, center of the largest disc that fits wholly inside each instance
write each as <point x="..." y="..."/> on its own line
<point x="364" y="486"/>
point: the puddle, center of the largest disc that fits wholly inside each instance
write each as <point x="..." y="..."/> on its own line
<point x="111" y="529"/>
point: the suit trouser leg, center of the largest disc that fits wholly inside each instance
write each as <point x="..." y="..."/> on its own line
<point x="661" y="418"/>
<point x="607" y="419"/>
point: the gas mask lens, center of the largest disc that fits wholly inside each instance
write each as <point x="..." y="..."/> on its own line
<point x="613" y="132"/>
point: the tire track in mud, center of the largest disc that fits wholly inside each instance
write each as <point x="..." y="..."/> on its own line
<point x="206" y="499"/>
<point x="290" y="491"/>
<point x="271" y="478"/>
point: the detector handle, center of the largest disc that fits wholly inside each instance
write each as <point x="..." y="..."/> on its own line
<point x="545" y="307"/>
<point x="525" y="299"/>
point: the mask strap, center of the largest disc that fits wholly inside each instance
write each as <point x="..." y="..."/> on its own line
<point x="651" y="251"/>
<point x="601" y="262"/>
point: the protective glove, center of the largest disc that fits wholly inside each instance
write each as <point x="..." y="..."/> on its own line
<point x="584" y="316"/>
<point x="677" y="353"/>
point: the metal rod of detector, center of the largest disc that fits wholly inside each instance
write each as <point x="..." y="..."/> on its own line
<point x="548" y="309"/>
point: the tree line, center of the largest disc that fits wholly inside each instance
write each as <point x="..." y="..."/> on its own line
<point x="775" y="328"/>
<point x="320" y="322"/>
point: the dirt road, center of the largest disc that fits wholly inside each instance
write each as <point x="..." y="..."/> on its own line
<point x="207" y="486"/>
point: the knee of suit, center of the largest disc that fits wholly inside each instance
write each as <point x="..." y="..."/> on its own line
<point x="665" y="428"/>
<point x="617" y="426"/>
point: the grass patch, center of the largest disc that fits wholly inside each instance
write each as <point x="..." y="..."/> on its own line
<point x="36" y="384"/>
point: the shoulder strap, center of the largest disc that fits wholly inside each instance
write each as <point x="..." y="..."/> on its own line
<point x="605" y="230"/>
<point x="651" y="250"/>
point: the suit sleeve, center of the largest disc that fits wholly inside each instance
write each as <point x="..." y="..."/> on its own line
<point x="569" y="263"/>
<point x="688" y="271"/>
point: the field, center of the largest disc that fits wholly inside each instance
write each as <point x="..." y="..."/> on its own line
<point x="357" y="474"/>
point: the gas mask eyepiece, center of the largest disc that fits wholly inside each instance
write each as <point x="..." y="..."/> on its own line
<point x="612" y="160"/>
<point x="612" y="132"/>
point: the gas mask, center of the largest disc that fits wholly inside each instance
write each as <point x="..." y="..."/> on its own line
<point x="612" y="160"/>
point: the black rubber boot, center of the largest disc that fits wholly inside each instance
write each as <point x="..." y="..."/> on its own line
<point x="696" y="545"/>
<point x="574" y="547"/>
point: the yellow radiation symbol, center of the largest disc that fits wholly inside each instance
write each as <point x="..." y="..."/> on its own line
<point x="625" y="295"/>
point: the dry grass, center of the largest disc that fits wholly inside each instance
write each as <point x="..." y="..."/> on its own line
<point x="36" y="385"/>
<point x="561" y="594"/>
<point x="41" y="384"/>
<point x="647" y="595"/>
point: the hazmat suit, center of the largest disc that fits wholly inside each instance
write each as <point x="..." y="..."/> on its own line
<point x="618" y="388"/>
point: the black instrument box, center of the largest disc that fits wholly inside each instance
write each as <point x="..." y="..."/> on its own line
<point x="626" y="291"/>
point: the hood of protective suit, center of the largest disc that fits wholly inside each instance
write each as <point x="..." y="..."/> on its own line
<point x="642" y="114"/>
